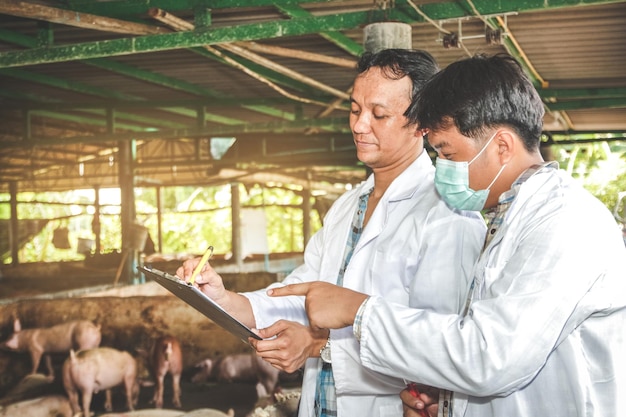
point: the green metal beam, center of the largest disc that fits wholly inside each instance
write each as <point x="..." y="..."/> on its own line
<point x="83" y="120"/>
<point x="63" y="84"/>
<point x="335" y="124"/>
<point x="169" y="82"/>
<point x="30" y="42"/>
<point x="39" y="104"/>
<point x="609" y="103"/>
<point x="177" y="40"/>
<point x="150" y="121"/>
<point x="303" y="22"/>
<point x="579" y="138"/>
<point x="584" y="93"/>
<point x="165" y="104"/>
<point x="113" y="66"/>
<point x="50" y="108"/>
<point x="151" y="77"/>
<point x="177" y="84"/>
<point x="294" y="27"/>
<point x="338" y="38"/>
<point x="98" y="92"/>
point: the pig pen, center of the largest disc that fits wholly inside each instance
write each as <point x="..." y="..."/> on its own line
<point x="131" y="317"/>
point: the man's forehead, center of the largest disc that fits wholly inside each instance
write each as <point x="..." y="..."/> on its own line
<point x="378" y="76"/>
<point x="376" y="101"/>
<point x="438" y="139"/>
<point x="445" y="139"/>
<point x="381" y="91"/>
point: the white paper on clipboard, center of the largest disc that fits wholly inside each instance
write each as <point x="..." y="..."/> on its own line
<point x="198" y="300"/>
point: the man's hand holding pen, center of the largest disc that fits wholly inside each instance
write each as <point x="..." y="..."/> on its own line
<point x="212" y="285"/>
<point x="204" y="277"/>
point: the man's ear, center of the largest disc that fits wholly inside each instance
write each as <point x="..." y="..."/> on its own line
<point x="508" y="143"/>
<point x="419" y="132"/>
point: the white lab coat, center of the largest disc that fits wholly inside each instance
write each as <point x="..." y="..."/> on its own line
<point x="546" y="332"/>
<point x="414" y="251"/>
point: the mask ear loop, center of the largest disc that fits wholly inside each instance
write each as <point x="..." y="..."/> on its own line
<point x="497" y="175"/>
<point x="484" y="147"/>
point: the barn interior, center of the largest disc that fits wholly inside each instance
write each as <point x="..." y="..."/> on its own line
<point x="151" y="94"/>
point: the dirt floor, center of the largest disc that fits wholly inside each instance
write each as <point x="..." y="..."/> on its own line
<point x="17" y="284"/>
<point x="238" y="396"/>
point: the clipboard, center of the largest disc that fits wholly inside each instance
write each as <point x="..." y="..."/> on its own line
<point x="198" y="300"/>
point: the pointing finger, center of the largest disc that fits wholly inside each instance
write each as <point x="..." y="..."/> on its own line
<point x="293" y="289"/>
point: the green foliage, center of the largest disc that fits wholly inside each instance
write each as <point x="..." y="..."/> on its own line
<point x="192" y="218"/>
<point x="600" y="166"/>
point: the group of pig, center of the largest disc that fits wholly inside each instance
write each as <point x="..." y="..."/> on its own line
<point x="90" y="368"/>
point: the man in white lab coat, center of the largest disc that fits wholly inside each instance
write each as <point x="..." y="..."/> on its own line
<point x="392" y="236"/>
<point x="543" y="331"/>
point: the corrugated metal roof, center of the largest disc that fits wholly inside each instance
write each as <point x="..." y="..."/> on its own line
<point x="54" y="101"/>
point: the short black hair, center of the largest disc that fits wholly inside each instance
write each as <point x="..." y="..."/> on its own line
<point x="479" y="93"/>
<point x="397" y="63"/>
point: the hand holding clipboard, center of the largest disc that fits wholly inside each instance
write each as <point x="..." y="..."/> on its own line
<point x="198" y="300"/>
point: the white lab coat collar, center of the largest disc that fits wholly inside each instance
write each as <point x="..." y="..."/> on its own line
<point x="403" y="187"/>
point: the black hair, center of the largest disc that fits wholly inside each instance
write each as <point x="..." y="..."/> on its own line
<point x="479" y="93"/>
<point x="418" y="65"/>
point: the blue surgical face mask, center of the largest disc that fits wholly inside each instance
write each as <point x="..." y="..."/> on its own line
<point x="452" y="183"/>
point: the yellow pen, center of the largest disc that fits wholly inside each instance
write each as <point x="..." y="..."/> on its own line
<point x="205" y="258"/>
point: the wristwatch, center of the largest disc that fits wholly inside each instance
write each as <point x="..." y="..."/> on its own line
<point x="325" y="351"/>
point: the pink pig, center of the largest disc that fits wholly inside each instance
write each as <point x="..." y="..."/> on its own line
<point x="241" y="367"/>
<point x="78" y="334"/>
<point x="166" y="356"/>
<point x="90" y="371"/>
<point x="46" y="406"/>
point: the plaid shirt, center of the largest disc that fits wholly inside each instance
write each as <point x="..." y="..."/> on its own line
<point x="325" y="393"/>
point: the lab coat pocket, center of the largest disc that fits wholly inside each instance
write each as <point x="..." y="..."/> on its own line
<point x="391" y="410"/>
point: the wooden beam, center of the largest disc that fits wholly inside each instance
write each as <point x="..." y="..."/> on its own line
<point x="70" y="18"/>
<point x="298" y="54"/>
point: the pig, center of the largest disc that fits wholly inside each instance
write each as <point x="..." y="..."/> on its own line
<point x="243" y="367"/>
<point x="77" y="334"/>
<point x="166" y="357"/>
<point x="48" y="406"/>
<point x="103" y="368"/>
<point x="200" y="412"/>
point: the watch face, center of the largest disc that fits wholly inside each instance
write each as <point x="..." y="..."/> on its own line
<point x="325" y="354"/>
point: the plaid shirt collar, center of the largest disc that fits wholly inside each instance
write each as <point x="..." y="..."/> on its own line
<point x="495" y="216"/>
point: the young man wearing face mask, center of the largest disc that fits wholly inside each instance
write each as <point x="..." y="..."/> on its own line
<point x="543" y="330"/>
